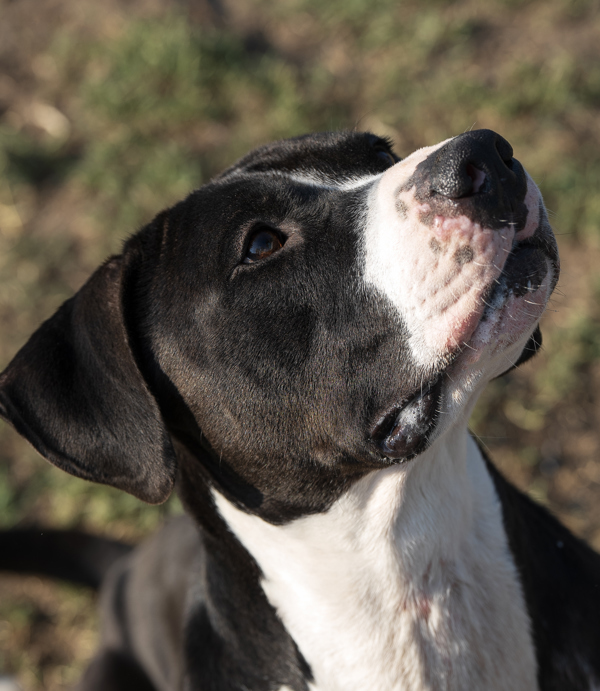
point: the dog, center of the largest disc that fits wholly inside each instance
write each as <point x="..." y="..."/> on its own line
<point x="298" y="346"/>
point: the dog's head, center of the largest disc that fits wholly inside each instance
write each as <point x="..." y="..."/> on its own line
<point x="320" y="310"/>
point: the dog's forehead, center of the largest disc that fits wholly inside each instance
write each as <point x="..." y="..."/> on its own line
<point x="303" y="180"/>
<point x="209" y="233"/>
<point x="334" y="159"/>
<point x="207" y="237"/>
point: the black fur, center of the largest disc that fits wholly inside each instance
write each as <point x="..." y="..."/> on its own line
<point x="68" y="554"/>
<point x="561" y="583"/>
<point x="278" y="382"/>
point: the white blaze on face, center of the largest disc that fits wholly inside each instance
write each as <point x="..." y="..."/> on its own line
<point x="437" y="274"/>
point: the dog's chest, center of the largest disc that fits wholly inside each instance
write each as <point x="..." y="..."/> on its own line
<point x="395" y="589"/>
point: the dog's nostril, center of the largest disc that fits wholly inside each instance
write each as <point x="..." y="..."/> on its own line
<point x="478" y="162"/>
<point x="459" y="179"/>
<point x="505" y="151"/>
<point x="477" y="176"/>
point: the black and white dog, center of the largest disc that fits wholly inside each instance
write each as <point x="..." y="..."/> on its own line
<point x="299" y="345"/>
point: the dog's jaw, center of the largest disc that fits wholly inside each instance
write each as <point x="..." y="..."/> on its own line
<point x="407" y="579"/>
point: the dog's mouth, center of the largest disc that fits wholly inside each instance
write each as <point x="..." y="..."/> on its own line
<point x="404" y="431"/>
<point x="523" y="274"/>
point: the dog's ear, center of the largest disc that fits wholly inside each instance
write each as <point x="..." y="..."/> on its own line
<point x="531" y="348"/>
<point x="76" y="393"/>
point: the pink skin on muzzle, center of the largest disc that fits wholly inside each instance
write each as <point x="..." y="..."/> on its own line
<point x="439" y="272"/>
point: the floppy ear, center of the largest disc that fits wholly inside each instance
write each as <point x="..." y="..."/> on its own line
<point x="75" y="392"/>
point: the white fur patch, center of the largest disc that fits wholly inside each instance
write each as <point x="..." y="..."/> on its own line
<point x="437" y="275"/>
<point x="406" y="583"/>
<point x="317" y="179"/>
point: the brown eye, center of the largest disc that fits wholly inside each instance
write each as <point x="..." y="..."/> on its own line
<point x="263" y="244"/>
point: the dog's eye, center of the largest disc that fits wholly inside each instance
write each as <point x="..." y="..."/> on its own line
<point x="263" y="243"/>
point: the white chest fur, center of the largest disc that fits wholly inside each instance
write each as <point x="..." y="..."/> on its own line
<point x="405" y="584"/>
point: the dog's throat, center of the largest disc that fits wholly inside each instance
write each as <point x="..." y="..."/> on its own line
<point x="390" y="567"/>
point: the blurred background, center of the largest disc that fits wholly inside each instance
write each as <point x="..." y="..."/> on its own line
<point x="111" y="111"/>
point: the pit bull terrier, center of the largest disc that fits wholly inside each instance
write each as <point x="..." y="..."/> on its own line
<point x="298" y="346"/>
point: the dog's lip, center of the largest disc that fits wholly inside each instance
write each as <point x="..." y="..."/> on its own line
<point x="523" y="273"/>
<point x="404" y="430"/>
<point x="514" y="301"/>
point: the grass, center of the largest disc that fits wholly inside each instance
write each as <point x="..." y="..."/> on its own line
<point x="109" y="116"/>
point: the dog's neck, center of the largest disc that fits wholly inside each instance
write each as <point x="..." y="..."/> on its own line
<point x="403" y="581"/>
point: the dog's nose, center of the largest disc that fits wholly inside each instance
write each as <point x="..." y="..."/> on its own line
<point x="474" y="175"/>
<point x="478" y="162"/>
